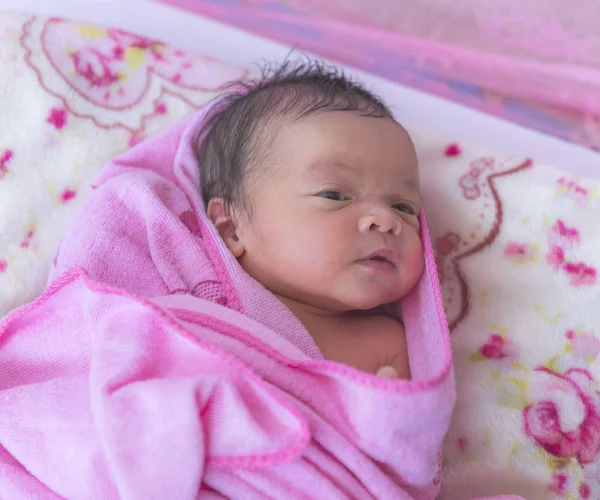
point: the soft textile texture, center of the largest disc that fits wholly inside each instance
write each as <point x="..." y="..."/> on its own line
<point x="160" y="350"/>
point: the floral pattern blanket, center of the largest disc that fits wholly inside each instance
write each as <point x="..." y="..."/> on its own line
<point x="517" y="244"/>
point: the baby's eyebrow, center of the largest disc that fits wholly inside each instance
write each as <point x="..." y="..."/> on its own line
<point x="329" y="164"/>
<point x="412" y="184"/>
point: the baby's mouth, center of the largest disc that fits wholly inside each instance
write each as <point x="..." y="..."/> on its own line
<point x="382" y="259"/>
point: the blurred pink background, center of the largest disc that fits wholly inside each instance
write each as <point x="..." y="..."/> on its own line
<point x="533" y="62"/>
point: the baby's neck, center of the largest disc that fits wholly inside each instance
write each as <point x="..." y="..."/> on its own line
<point x="310" y="313"/>
<point x="316" y="319"/>
<point x="360" y="339"/>
<point x="302" y="309"/>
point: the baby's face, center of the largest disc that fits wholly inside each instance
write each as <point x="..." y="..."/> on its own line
<point x="334" y="222"/>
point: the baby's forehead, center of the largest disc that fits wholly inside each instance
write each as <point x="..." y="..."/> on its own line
<point x="345" y="143"/>
<point x="393" y="176"/>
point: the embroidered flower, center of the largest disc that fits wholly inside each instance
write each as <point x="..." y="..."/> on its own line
<point x="3" y="265"/>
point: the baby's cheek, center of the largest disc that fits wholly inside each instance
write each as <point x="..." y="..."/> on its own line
<point x="414" y="260"/>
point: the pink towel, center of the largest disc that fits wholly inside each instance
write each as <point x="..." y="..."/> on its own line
<point x="154" y="367"/>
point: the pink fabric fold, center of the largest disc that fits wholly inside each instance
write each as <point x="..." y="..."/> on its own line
<point x="155" y="367"/>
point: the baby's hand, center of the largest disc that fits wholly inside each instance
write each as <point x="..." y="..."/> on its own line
<point x="387" y="372"/>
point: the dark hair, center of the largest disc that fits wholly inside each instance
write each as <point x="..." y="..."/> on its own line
<point x="237" y="135"/>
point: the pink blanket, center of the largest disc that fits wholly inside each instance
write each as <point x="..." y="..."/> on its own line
<point x="154" y="367"/>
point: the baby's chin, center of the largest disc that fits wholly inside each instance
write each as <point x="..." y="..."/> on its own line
<point x="370" y="302"/>
<point x="347" y="300"/>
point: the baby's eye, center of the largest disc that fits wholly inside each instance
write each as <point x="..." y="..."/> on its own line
<point x="333" y="195"/>
<point x="404" y="208"/>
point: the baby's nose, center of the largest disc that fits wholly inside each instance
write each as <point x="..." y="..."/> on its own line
<point x="380" y="220"/>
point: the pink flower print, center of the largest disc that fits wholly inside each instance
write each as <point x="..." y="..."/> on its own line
<point x="559" y="483"/>
<point x="3" y="266"/>
<point x="117" y="70"/>
<point x="67" y="195"/>
<point x="580" y="273"/>
<point x="498" y="348"/>
<point x="444" y="246"/>
<point x="585" y="346"/>
<point x="481" y="164"/>
<point x="452" y="150"/>
<point x="572" y="190"/>
<point x="447" y="244"/>
<point x="584" y="491"/>
<point x="470" y="186"/>
<point x="136" y="138"/>
<point x="521" y="253"/>
<point x="470" y="181"/>
<point x="118" y="53"/>
<point x="94" y="66"/>
<point x="543" y="424"/>
<point x="555" y="257"/>
<point x="564" y="418"/>
<point x="4" y="161"/>
<point x="161" y="108"/>
<point x="126" y="39"/>
<point x="26" y="243"/>
<point x="562" y="235"/>
<point x="57" y="118"/>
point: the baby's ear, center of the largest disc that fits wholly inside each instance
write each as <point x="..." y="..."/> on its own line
<point x="222" y="221"/>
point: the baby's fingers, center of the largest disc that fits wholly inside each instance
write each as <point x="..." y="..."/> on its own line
<point x="387" y="372"/>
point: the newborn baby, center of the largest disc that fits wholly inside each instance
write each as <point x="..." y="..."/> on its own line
<point x="314" y="188"/>
<point x="174" y="335"/>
